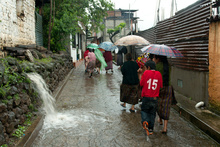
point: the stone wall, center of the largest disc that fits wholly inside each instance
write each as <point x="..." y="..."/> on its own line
<point x="19" y="98"/>
<point x="17" y="22"/>
<point x="214" y="65"/>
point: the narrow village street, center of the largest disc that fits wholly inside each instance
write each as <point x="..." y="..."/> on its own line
<point x="90" y="115"/>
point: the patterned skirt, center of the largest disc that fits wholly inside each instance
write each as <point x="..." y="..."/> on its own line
<point x="130" y="93"/>
<point x="109" y="65"/>
<point x="164" y="102"/>
<point x="98" y="63"/>
<point x="91" y="65"/>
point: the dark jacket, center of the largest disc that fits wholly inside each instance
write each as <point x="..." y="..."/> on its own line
<point x="129" y="72"/>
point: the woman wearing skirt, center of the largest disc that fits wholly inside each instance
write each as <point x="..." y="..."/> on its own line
<point x="129" y="89"/>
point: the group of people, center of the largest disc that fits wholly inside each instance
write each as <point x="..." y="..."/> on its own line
<point x="94" y="59"/>
<point x="151" y="87"/>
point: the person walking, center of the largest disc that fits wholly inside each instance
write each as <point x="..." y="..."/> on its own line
<point x="108" y="59"/>
<point x="166" y="93"/>
<point x="129" y="91"/>
<point x="92" y="62"/>
<point x="86" y="60"/>
<point x="151" y="82"/>
<point x="119" y="59"/>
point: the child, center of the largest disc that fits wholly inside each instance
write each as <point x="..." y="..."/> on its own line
<point x="151" y="82"/>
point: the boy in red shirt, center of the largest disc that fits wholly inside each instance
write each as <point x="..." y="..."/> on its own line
<point x="151" y="82"/>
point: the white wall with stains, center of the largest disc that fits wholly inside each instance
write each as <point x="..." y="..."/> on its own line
<point x="17" y="22"/>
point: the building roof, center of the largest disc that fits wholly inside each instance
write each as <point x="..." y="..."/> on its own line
<point x="127" y="10"/>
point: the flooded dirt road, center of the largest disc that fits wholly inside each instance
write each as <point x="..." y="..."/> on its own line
<point x="89" y="115"/>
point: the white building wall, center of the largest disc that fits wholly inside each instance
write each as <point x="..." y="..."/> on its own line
<point x="16" y="29"/>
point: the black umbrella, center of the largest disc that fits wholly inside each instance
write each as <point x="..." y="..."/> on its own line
<point x="123" y="49"/>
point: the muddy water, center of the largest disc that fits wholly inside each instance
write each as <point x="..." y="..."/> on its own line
<point x="90" y="115"/>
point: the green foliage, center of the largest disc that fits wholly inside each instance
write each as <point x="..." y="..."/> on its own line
<point x="5" y="101"/>
<point x="4" y="145"/>
<point x="9" y="97"/>
<point x="116" y="30"/>
<point x="26" y="80"/>
<point x="110" y="31"/>
<point x="2" y="91"/>
<point x="44" y="60"/>
<point x="19" y="132"/>
<point x="16" y="96"/>
<point x="13" y="77"/>
<point x="68" y="14"/>
<point x="28" y="119"/>
<point x="24" y="91"/>
<point x="31" y="107"/>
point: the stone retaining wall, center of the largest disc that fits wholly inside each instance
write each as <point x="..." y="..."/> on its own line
<point x="19" y="97"/>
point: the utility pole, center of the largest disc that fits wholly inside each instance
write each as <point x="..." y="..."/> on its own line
<point x="130" y="20"/>
<point x="157" y="14"/>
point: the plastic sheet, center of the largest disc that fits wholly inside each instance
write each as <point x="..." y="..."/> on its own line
<point x="99" y="56"/>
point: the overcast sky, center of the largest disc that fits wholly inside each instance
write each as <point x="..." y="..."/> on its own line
<point x="147" y="9"/>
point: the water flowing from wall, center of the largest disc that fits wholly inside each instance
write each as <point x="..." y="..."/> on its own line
<point x="72" y="121"/>
<point x="44" y="92"/>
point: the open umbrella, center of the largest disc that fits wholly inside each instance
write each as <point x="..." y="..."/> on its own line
<point x="176" y="52"/>
<point x="131" y="40"/>
<point x="108" y="46"/>
<point x="93" y="46"/>
<point x="123" y="49"/>
<point x="163" y="50"/>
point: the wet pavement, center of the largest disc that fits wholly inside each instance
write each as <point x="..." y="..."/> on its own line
<point x="90" y="115"/>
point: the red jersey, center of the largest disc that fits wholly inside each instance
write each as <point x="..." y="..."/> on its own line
<point x="151" y="82"/>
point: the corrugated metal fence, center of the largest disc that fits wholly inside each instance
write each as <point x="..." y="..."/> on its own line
<point x="38" y="29"/>
<point x="188" y="32"/>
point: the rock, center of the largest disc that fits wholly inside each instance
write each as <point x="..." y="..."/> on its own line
<point x="26" y="86"/>
<point x="22" y="119"/>
<point x="10" y="104"/>
<point x="24" y="108"/>
<point x="17" y="101"/>
<point x="10" y="128"/>
<point x="11" y="61"/>
<point x="13" y="90"/>
<point x="2" y="137"/>
<point x="11" y="117"/>
<point x="4" y="118"/>
<point x="2" y="70"/>
<point x="34" y="53"/>
<point x="29" y="56"/>
<point x="3" y="107"/>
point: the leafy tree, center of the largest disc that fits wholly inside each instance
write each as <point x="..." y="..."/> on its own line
<point x="116" y="30"/>
<point x="63" y="19"/>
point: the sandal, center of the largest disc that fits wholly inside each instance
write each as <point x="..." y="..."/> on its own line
<point x="145" y="126"/>
<point x="164" y="132"/>
<point x="131" y="110"/>
<point x="123" y="105"/>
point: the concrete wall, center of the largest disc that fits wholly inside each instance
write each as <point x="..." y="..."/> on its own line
<point x="17" y="22"/>
<point x="214" y="62"/>
<point x="191" y="84"/>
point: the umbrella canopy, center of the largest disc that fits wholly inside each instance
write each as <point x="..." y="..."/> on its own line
<point x="176" y="52"/>
<point x="131" y="40"/>
<point x="123" y="49"/>
<point x="161" y="50"/>
<point x="108" y="46"/>
<point x="93" y="46"/>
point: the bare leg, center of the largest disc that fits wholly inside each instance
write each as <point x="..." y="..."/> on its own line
<point x="132" y="107"/>
<point x="160" y="121"/>
<point x="165" y="125"/>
